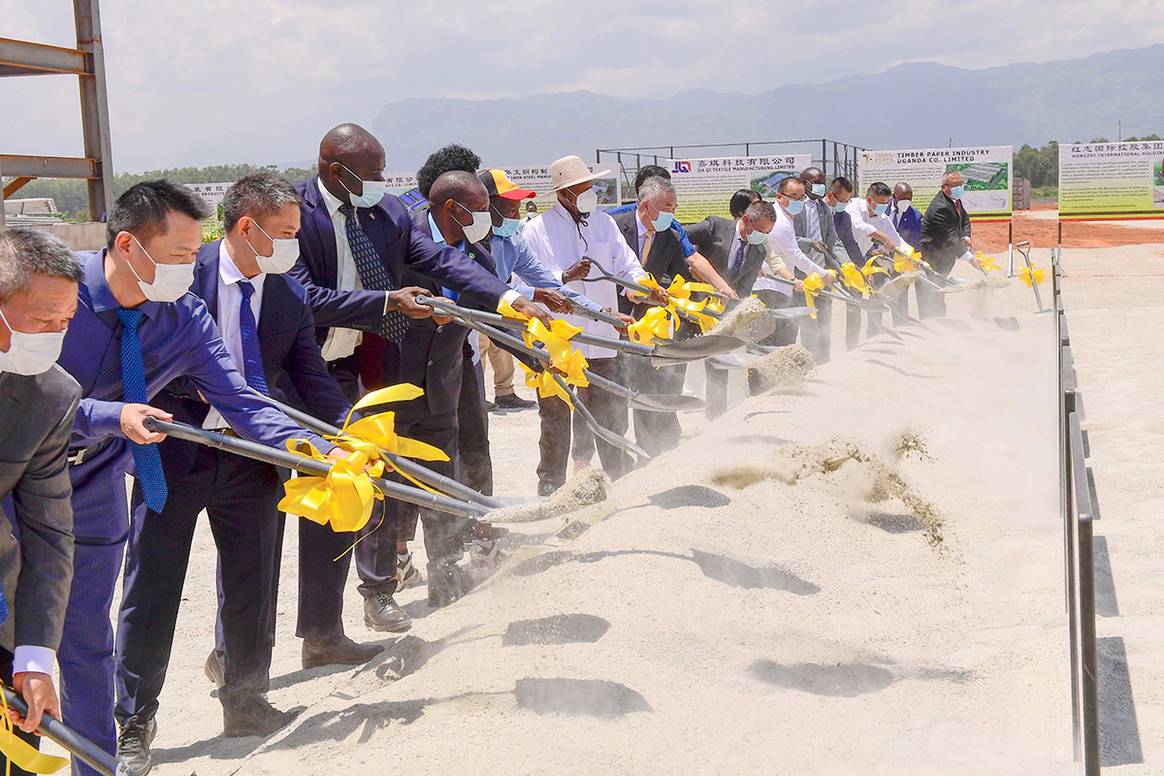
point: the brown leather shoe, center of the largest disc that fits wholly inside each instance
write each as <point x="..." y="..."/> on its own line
<point x="337" y="651"/>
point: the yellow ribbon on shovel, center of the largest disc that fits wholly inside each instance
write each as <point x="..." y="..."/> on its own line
<point x="1030" y="277"/>
<point x="655" y="323"/>
<point x="546" y="385"/>
<point x="344" y="498"/>
<point x="564" y="357"/>
<point x="854" y="278"/>
<point x="986" y="262"/>
<point x="679" y="292"/>
<point x="19" y="752"/>
<point x="871" y="268"/>
<point x="812" y="286"/>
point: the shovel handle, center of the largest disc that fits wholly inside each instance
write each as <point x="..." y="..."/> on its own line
<point x="54" y="730"/>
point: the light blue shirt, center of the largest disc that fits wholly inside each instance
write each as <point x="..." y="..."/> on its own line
<point x="512" y="256"/>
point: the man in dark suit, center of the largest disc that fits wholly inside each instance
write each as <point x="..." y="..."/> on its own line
<point x="269" y="331"/>
<point x="38" y="296"/>
<point x="355" y="243"/>
<point x="816" y="236"/>
<point x="647" y="230"/>
<point x="945" y="237"/>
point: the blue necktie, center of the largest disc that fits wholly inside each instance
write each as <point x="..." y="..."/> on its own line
<point x="738" y="260"/>
<point x="3" y="607"/>
<point x="374" y="275"/>
<point x="249" y="334"/>
<point x="146" y="458"/>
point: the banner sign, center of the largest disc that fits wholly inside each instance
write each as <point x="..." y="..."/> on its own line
<point x="704" y="187"/>
<point x="536" y="179"/>
<point x="212" y="194"/>
<point x="1111" y="181"/>
<point x="985" y="170"/>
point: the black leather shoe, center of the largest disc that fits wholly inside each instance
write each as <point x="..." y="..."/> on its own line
<point x="252" y="715"/>
<point x="382" y="613"/>
<point x="340" y="651"/>
<point x="446" y="584"/>
<point x="213" y="669"/>
<point x="133" y="746"/>
<point x="511" y="401"/>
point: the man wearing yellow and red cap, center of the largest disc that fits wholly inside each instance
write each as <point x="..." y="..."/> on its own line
<point x="512" y="256"/>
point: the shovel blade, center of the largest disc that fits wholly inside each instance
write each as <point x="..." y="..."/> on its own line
<point x="698" y="347"/>
<point x="666" y="402"/>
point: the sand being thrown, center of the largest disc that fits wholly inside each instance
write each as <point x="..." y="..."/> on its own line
<point x="749" y="320"/>
<point x="867" y="473"/>
<point x="587" y="487"/>
<point x="785" y="367"/>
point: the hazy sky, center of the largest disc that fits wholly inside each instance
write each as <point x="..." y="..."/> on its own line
<point x="276" y="73"/>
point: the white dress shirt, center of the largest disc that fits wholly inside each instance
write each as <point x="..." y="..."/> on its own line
<point x="229" y="309"/>
<point x="782" y="244"/>
<point x="866" y="223"/>
<point x="559" y="243"/>
<point x="341" y="343"/>
<point x="31" y="659"/>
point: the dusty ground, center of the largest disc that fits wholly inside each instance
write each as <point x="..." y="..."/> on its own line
<point x="715" y="617"/>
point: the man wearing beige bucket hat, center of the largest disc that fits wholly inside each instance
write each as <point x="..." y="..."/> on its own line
<point x="569" y="239"/>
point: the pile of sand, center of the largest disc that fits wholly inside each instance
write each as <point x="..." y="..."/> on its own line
<point x="587" y="487"/>
<point x="785" y="367"/>
<point x="749" y="320"/>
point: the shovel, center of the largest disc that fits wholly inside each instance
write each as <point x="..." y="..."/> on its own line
<point x="80" y="748"/>
<point x="864" y="304"/>
<point x="630" y="285"/>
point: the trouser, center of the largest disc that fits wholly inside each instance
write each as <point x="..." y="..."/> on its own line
<point x="785" y="331"/>
<point x="475" y="463"/>
<point x="502" y="363"/>
<point x="240" y="497"/>
<point x="655" y="432"/>
<point x="816" y="334"/>
<point x="931" y="303"/>
<point x="610" y="410"/>
<point x="30" y="738"/>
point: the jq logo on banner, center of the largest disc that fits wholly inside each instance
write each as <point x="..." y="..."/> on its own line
<point x="536" y="179"/>
<point x="1113" y="181"/>
<point x="986" y="172"/>
<point x="705" y="186"/>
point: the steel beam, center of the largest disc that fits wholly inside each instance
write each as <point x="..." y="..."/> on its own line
<point x="19" y="166"/>
<point x="16" y="184"/>
<point x="21" y="57"/>
<point x="95" y="109"/>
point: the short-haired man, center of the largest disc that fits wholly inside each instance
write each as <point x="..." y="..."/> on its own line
<point x="740" y="200"/>
<point x="945" y="238"/>
<point x="566" y="239"/>
<point x="240" y="278"/>
<point x="137" y="330"/>
<point x="816" y="235"/>
<point x="870" y="216"/>
<point x="38" y="296"/>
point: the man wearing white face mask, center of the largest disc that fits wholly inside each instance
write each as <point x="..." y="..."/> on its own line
<point x="38" y="296"/>
<point x="137" y="330"/>
<point x="240" y="279"/>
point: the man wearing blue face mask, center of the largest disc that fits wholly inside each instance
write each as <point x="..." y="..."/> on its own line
<point x="512" y="256"/>
<point x="872" y="223"/>
<point x="945" y="238"/>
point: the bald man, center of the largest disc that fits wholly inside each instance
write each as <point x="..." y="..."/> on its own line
<point x="945" y="238"/>
<point x="355" y="243"/>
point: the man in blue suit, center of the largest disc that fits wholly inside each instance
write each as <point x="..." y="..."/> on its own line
<point x="907" y="219"/>
<point x="269" y="330"/>
<point x="355" y="243"/>
<point x="136" y="330"/>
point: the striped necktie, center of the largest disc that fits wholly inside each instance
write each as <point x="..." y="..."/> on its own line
<point x="374" y="275"/>
<point x="147" y="460"/>
<point x="249" y="334"/>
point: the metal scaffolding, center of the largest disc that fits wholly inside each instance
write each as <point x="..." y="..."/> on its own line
<point x="87" y="62"/>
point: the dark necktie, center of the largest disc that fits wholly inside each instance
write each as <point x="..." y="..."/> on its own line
<point x="249" y="334"/>
<point x="738" y="259"/>
<point x="147" y="460"/>
<point x="374" y="275"/>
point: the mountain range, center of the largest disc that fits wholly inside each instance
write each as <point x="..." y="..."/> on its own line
<point x="911" y="105"/>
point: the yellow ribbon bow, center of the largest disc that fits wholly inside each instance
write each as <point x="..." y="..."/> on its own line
<point x="903" y="264"/>
<point x="20" y="753"/>
<point x="1030" y="277"/>
<point x="546" y="385"/>
<point x="854" y="278"/>
<point x="715" y="304"/>
<point x="343" y="499"/>
<point x="986" y="262"/>
<point x="556" y="340"/>
<point x="657" y="323"/>
<point x="813" y="285"/>
<point x="679" y="292"/>
<point x="871" y="268"/>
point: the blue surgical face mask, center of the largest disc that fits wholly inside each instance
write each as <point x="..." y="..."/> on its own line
<point x="881" y="208"/>
<point x="957" y="192"/>
<point x="818" y="189"/>
<point x="508" y="228"/>
<point x="662" y="222"/>
<point x="840" y="207"/>
<point x="795" y="206"/>
<point x="756" y="237"/>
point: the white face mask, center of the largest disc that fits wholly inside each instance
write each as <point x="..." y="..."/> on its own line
<point x="904" y="205"/>
<point x="30" y="354"/>
<point x="374" y="191"/>
<point x="171" y="281"/>
<point x="282" y="258"/>
<point x="479" y="228"/>
<point x="586" y="202"/>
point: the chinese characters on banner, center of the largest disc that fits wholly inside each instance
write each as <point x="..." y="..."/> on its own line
<point x="705" y="186"/>
<point x="1111" y="180"/>
<point x="985" y="170"/>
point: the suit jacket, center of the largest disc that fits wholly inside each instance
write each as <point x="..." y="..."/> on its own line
<point x="908" y="224"/>
<point x="716" y="238"/>
<point x="665" y="261"/>
<point x="431" y="354"/>
<point x="400" y="245"/>
<point x="828" y="231"/>
<point x="292" y="365"/>
<point x="944" y="225"/>
<point x="36" y="547"/>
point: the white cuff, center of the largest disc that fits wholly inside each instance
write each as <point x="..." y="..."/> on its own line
<point x="508" y="298"/>
<point x="386" y="300"/>
<point x="37" y="660"/>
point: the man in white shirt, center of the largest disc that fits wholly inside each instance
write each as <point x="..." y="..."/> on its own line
<point x="872" y="222"/>
<point x="791" y="199"/>
<point x="567" y="239"/>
